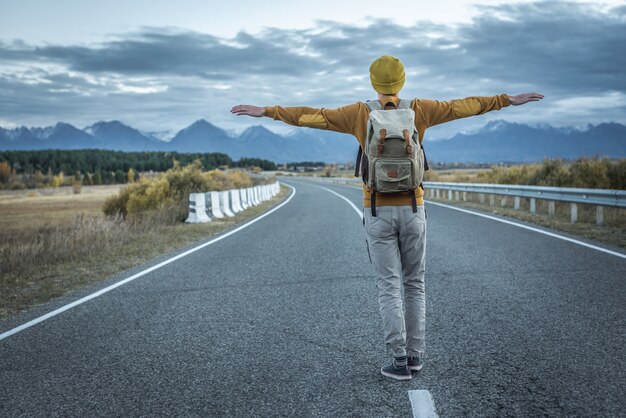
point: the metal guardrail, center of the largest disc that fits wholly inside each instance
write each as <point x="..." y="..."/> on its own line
<point x="599" y="197"/>
<point x="596" y="197"/>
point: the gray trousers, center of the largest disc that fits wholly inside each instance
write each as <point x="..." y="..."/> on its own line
<point x="396" y="240"/>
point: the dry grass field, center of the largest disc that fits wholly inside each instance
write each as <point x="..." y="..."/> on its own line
<point x="29" y="210"/>
<point x="52" y="241"/>
<point x="459" y="175"/>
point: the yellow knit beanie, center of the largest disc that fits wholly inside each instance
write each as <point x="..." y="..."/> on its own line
<point x="387" y="75"/>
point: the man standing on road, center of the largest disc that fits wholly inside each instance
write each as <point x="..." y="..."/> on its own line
<point x="396" y="231"/>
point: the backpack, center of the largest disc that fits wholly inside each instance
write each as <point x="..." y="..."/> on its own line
<point x="393" y="160"/>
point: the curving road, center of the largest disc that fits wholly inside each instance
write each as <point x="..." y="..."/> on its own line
<point x="281" y="319"/>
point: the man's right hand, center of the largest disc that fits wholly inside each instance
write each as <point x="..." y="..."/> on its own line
<point x="520" y="99"/>
<point x="248" y="110"/>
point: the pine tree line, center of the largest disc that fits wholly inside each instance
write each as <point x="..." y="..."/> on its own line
<point x="40" y="168"/>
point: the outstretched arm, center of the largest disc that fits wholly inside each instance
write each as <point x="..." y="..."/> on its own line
<point x="340" y="119"/>
<point x="436" y="112"/>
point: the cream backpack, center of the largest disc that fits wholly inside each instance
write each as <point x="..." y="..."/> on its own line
<point x="393" y="160"/>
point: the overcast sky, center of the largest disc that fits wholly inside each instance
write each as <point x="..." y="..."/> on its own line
<point x="160" y="65"/>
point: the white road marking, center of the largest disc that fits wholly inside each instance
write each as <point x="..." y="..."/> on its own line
<point x="141" y="273"/>
<point x="357" y="210"/>
<point x="422" y="403"/>
<point x="530" y="228"/>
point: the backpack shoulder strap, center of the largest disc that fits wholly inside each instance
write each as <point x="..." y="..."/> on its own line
<point x="373" y="105"/>
<point x="404" y="104"/>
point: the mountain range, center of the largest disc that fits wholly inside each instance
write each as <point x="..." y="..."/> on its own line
<point x="500" y="141"/>
<point x="497" y="141"/>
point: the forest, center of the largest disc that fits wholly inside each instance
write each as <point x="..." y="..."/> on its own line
<point x="30" y="169"/>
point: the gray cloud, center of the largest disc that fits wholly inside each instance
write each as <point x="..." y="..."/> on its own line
<point x="169" y="76"/>
<point x="557" y="44"/>
<point x="169" y="52"/>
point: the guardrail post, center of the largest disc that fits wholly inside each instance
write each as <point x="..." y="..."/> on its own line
<point x="456" y="195"/>
<point x="235" y="203"/>
<point x="191" y="217"/>
<point x="197" y="209"/>
<point x="225" y="204"/>
<point x="257" y="196"/>
<point x="551" y="208"/>
<point x="449" y="194"/>
<point x="503" y="201"/>
<point x="516" y="203"/>
<point x="533" y="205"/>
<point x="492" y="200"/>
<point x="574" y="212"/>
<point x="465" y="196"/>
<point x="214" y="199"/>
<point x="243" y="197"/>
<point x="437" y="193"/>
<point x="482" y="197"/>
<point x="599" y="215"/>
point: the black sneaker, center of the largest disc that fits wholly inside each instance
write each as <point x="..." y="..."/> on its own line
<point x="396" y="372"/>
<point x="415" y="363"/>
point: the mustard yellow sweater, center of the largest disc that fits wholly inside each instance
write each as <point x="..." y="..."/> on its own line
<point x="352" y="119"/>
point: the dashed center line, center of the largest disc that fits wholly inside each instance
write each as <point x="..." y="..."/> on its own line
<point x="422" y="404"/>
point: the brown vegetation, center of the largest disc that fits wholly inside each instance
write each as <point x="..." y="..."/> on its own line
<point x="168" y="193"/>
<point x="583" y="173"/>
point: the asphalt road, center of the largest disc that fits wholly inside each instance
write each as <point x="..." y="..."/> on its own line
<point x="281" y="319"/>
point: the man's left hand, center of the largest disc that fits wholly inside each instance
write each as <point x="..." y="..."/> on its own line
<point x="248" y="110"/>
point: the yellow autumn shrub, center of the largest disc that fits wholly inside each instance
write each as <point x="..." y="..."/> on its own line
<point x="170" y="191"/>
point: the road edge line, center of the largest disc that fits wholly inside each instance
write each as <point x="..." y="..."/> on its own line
<point x="107" y="289"/>
<point x="357" y="210"/>
<point x="530" y="228"/>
